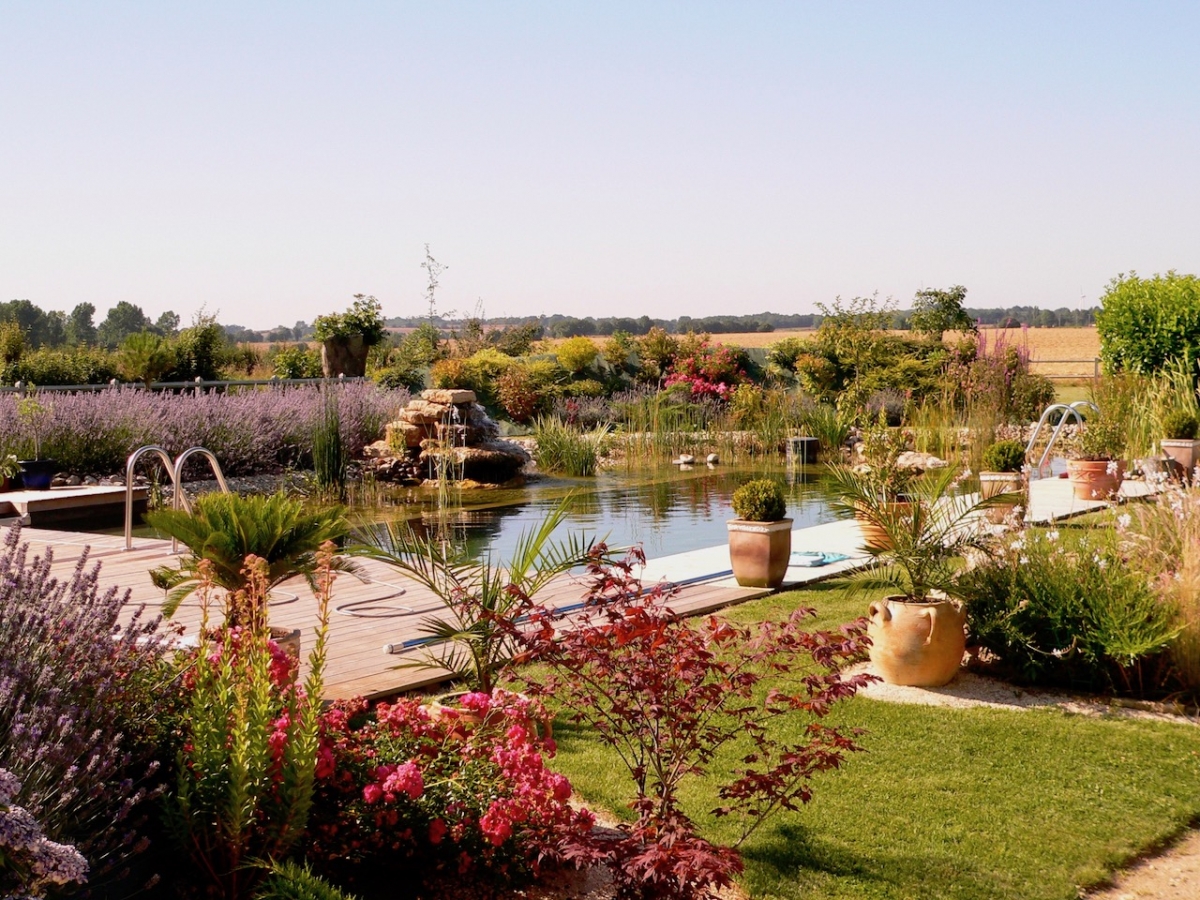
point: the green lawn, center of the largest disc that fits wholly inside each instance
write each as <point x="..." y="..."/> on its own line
<point x="950" y="803"/>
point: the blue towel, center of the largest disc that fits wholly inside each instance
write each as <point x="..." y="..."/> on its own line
<point x="812" y="560"/>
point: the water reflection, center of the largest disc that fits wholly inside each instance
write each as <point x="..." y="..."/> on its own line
<point x="666" y="510"/>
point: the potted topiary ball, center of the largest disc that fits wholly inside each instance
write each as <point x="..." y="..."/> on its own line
<point x="1002" y="465"/>
<point x="760" y="538"/>
<point x="1179" y="444"/>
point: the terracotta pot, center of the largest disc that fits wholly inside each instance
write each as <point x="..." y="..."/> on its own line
<point x="1095" y="479"/>
<point x="344" y="356"/>
<point x="759" y="551"/>
<point x="993" y="483"/>
<point x="446" y="706"/>
<point x="874" y="536"/>
<point x="919" y="644"/>
<point x="288" y="640"/>
<point x="1184" y="455"/>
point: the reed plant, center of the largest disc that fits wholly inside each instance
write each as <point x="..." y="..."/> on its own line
<point x="330" y="459"/>
<point x="563" y="449"/>
<point x="827" y="424"/>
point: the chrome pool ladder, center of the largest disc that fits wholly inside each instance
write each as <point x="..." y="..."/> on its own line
<point x="1068" y="410"/>
<point x="175" y="470"/>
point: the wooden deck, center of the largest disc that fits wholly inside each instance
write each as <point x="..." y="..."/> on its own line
<point x="386" y="609"/>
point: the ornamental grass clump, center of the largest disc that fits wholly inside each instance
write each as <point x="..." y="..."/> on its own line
<point x="566" y="450"/>
<point x="669" y="695"/>
<point x="1073" y="613"/>
<point x="461" y="792"/>
<point x="78" y="697"/>
<point x="249" y="745"/>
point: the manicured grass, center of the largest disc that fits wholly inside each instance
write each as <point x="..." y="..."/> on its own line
<point x="949" y="803"/>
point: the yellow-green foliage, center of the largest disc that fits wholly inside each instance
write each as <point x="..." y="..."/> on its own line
<point x="478" y="373"/>
<point x="576" y="354"/>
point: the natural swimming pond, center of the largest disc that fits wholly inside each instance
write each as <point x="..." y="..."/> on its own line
<point x="666" y="509"/>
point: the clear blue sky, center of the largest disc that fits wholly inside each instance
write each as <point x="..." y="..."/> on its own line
<point x="269" y="160"/>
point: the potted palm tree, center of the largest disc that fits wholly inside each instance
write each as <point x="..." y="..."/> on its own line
<point x="226" y="528"/>
<point x="917" y="632"/>
<point x="760" y="538"/>
<point x="1096" y="466"/>
<point x="1002" y="465"/>
<point x="1179" y="443"/>
<point x="472" y="639"/>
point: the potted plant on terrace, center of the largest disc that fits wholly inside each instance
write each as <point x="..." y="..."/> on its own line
<point x="760" y="538"/>
<point x="36" y="473"/>
<point x="1002" y="465"/>
<point x="1179" y="443"/>
<point x="347" y="337"/>
<point x="1096" y="467"/>
<point x="917" y="633"/>
<point x="226" y="528"/>
<point x="10" y="468"/>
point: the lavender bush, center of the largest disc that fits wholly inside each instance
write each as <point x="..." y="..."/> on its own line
<point x="29" y="861"/>
<point x="78" y="695"/>
<point x="250" y="431"/>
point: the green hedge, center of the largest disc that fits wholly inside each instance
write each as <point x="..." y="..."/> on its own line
<point x="1146" y="323"/>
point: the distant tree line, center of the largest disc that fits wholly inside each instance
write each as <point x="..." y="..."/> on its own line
<point x="54" y="328"/>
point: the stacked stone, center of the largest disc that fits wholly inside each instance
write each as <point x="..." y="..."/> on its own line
<point x="440" y="416"/>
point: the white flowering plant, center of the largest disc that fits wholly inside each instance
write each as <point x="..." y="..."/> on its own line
<point x="31" y="863"/>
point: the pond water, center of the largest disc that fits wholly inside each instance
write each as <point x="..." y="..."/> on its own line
<point x="666" y="509"/>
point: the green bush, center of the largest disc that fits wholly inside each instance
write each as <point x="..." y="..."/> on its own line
<point x="1146" y="323"/>
<point x="291" y="881"/>
<point x="1072" y="615"/>
<point x="478" y="372"/>
<point x="299" y="361"/>
<point x="54" y="367"/>
<point x="365" y="317"/>
<point x="1004" y="456"/>
<point x="760" y="500"/>
<point x="1180" y="425"/>
<point x="576" y="354"/>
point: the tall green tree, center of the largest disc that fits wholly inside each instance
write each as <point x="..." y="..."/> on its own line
<point x="936" y="311"/>
<point x="122" y="320"/>
<point x="81" y="326"/>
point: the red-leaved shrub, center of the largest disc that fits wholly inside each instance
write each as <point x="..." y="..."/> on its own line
<point x="668" y="693"/>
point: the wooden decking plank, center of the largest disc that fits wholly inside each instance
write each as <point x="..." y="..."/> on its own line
<point x="357" y="663"/>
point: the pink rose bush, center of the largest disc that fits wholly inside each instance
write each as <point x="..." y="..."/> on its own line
<point x="451" y="790"/>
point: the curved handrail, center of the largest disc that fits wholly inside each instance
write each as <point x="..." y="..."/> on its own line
<point x="175" y="469"/>
<point x="179" y="499"/>
<point x="1068" y="410"/>
<point x="129" y="464"/>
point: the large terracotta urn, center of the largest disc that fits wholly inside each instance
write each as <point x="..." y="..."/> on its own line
<point x="1095" y="479"/>
<point x="918" y="644"/>
<point x="344" y="356"/>
<point x="759" y="551"/>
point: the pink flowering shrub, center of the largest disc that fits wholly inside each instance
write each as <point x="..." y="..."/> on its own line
<point x="708" y="370"/>
<point x="443" y="791"/>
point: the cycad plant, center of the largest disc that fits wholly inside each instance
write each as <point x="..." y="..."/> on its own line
<point x="924" y="539"/>
<point x="482" y="598"/>
<point x="226" y="528"/>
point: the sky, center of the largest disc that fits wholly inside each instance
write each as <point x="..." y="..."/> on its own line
<point x="266" y="161"/>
